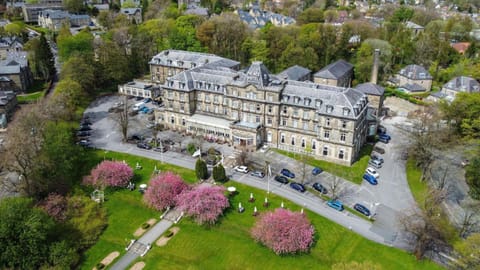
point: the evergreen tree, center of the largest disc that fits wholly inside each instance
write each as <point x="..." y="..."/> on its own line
<point x="201" y="169"/>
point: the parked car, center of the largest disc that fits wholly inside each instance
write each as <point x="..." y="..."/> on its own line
<point x="335" y="204"/>
<point x="381" y="129"/>
<point x="134" y="138"/>
<point x="162" y="149"/>
<point x="85" y="122"/>
<point x="287" y="173"/>
<point x="377" y="157"/>
<point x="298" y="187"/>
<point x="168" y="142"/>
<point x="281" y="179"/>
<point x="379" y="150"/>
<point x="375" y="163"/>
<point x="372" y="172"/>
<point x="258" y="174"/>
<point x="385" y="136"/>
<point x="84" y="143"/>
<point x="147" y="100"/>
<point x="84" y="128"/>
<point x="242" y="169"/>
<point x="143" y="145"/>
<point x="320" y="188"/>
<point x="316" y="171"/>
<point x="83" y="133"/>
<point x="383" y="140"/>
<point x="362" y="209"/>
<point x="370" y="178"/>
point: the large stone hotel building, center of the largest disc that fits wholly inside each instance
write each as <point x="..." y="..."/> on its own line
<point x="208" y="95"/>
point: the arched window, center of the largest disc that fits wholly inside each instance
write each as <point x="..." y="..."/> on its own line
<point x="172" y="119"/>
<point x="341" y="154"/>
<point x="293" y="140"/>
<point x="314" y="144"/>
<point x="303" y="143"/>
<point x="282" y="138"/>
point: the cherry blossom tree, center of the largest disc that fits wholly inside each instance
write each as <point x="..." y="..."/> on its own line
<point x="109" y="174"/>
<point x="55" y="206"/>
<point x="203" y="203"/>
<point x="163" y="189"/>
<point x="284" y="231"/>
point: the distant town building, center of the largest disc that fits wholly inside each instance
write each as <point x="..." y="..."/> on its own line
<point x="133" y="14"/>
<point x="9" y="44"/>
<point x="31" y="11"/>
<point x="256" y="18"/>
<point x="55" y="19"/>
<point x="461" y="84"/>
<point x="415" y="28"/>
<point x="339" y="73"/>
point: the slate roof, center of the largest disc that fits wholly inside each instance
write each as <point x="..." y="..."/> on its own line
<point x="257" y="18"/>
<point x="334" y="100"/>
<point x="370" y="89"/>
<point x="412" y="25"/>
<point x="294" y="73"/>
<point x="413" y="87"/>
<point x="8" y="42"/>
<point x="54" y="14"/>
<point x="335" y="70"/>
<point x="13" y="63"/>
<point x="130" y="11"/>
<point x="415" y="72"/>
<point x="463" y="84"/>
<point x="185" y="59"/>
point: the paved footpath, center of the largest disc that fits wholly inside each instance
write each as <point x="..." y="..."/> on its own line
<point x="147" y="239"/>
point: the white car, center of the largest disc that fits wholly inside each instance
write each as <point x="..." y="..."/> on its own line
<point x="372" y="172"/>
<point x="242" y="169"/>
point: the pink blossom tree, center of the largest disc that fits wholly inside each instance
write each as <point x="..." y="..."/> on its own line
<point x="163" y="189"/>
<point x="109" y="174"/>
<point x="55" y="205"/>
<point x="284" y="231"/>
<point x="203" y="203"/>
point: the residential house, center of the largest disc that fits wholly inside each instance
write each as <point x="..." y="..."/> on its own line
<point x="140" y="89"/>
<point x="460" y="47"/>
<point x="339" y="73"/>
<point x="296" y="73"/>
<point x="79" y="20"/>
<point x="256" y="18"/>
<point x="16" y="68"/>
<point x="53" y="19"/>
<point x="133" y="14"/>
<point x="170" y="62"/>
<point x="461" y="84"/>
<point x="9" y="44"/>
<point x="31" y="11"/>
<point x="415" y="28"/>
<point x="8" y="102"/>
<point x="413" y="78"/>
<point x="251" y="108"/>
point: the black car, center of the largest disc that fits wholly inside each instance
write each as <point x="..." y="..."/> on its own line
<point x="84" y="128"/>
<point x="298" y="187"/>
<point x="83" y="133"/>
<point x="362" y="209"/>
<point x="320" y="188"/>
<point x="143" y="146"/>
<point x="134" y="138"/>
<point x="162" y="149"/>
<point x="168" y="142"/>
<point x="85" y="122"/>
<point x="281" y="179"/>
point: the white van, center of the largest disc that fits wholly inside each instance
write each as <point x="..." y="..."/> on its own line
<point x="375" y="163"/>
<point x="138" y="106"/>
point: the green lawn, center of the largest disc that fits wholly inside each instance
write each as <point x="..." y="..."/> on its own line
<point x="27" y="98"/>
<point x="418" y="188"/>
<point x="353" y="173"/>
<point x="228" y="244"/>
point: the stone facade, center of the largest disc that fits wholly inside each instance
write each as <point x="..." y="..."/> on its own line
<point x="414" y="75"/>
<point x="251" y="108"/>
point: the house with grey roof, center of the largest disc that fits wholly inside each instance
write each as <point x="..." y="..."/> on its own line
<point x="31" y="11"/>
<point x="375" y="94"/>
<point x="296" y="73"/>
<point x="9" y="44"/>
<point x="16" y="68"/>
<point x="8" y="103"/>
<point x="54" y="19"/>
<point x="256" y="18"/>
<point x="339" y="73"/>
<point x="133" y="14"/>
<point x="252" y="107"/>
<point x="170" y="62"/>
<point x="460" y="84"/>
<point x="413" y="78"/>
<point x="415" y="28"/>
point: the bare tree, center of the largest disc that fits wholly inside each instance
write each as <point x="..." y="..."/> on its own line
<point x="334" y="187"/>
<point x="471" y="220"/>
<point x="122" y="118"/>
<point x="243" y="156"/>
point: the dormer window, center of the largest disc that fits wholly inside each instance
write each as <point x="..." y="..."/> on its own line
<point x="329" y="108"/>
<point x="318" y="103"/>
<point x="346" y="111"/>
<point x="285" y="98"/>
<point x="208" y="86"/>
<point x="296" y="100"/>
<point x="306" y="102"/>
<point x="192" y="65"/>
<point x="169" y="62"/>
<point x="170" y="83"/>
<point x="182" y="85"/>
<point x="216" y="87"/>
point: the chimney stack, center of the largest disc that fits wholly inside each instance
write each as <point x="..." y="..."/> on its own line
<point x="376" y="56"/>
